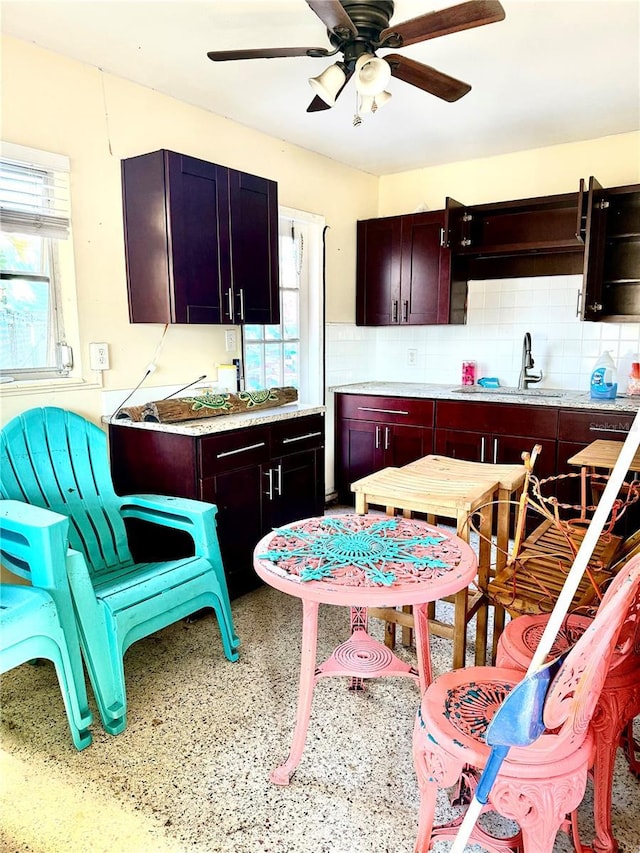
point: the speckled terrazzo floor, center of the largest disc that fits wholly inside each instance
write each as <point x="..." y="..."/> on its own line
<point x="190" y="773"/>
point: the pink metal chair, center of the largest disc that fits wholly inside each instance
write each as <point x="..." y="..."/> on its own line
<point x="618" y="704"/>
<point x="538" y="785"/>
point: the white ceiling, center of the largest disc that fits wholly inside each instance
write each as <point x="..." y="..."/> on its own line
<point x="553" y="71"/>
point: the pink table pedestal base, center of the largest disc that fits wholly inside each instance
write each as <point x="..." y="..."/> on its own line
<point x="359" y="657"/>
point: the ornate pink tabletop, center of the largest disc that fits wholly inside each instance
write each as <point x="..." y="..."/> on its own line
<point x="360" y="561"/>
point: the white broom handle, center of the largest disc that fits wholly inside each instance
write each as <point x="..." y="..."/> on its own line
<point x="587" y="546"/>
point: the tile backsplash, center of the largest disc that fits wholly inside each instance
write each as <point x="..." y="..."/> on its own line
<point x="498" y="315"/>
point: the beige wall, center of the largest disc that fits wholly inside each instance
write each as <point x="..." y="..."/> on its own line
<point x="613" y="160"/>
<point x="59" y="105"/>
<point x="56" y="104"/>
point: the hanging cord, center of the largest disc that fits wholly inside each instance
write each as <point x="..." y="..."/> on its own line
<point x="150" y="369"/>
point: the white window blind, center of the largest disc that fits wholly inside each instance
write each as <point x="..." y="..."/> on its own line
<point x="34" y="192"/>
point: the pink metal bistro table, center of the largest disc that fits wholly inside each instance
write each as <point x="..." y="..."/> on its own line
<point x="359" y="562"/>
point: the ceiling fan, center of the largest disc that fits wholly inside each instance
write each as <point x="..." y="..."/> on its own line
<point x="357" y="29"/>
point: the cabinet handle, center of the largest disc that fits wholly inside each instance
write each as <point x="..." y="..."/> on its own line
<point x="495" y="450"/>
<point x="269" y="492"/>
<point x="386" y="438"/>
<point x="241" y="298"/>
<point x="230" y="303"/>
<point x="394" y="311"/>
<point x="240" y="450"/>
<point x="443" y="242"/>
<point x="377" y="438"/>
<point x="382" y="411"/>
<point x="579" y="303"/>
<point x="622" y="431"/>
<point x="279" y="482"/>
<point x="482" y="448"/>
<point x="301" y="437"/>
<point x="405" y="312"/>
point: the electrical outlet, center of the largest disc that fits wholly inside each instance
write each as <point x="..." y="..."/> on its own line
<point x="412" y="356"/>
<point x="231" y="340"/>
<point x="99" y="356"/>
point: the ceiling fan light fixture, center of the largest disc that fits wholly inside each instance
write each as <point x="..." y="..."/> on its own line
<point x="329" y="83"/>
<point x="372" y="75"/>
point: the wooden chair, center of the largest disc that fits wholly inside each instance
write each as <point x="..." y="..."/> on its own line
<point x="539" y="562"/>
<point x="57" y="460"/>
<point x="36" y="619"/>
<point x="410" y="491"/>
<point x="537" y="785"/>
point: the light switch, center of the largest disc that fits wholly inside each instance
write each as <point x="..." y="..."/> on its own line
<point x="231" y="340"/>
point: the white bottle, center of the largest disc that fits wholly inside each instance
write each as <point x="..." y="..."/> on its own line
<point x="604" y="378"/>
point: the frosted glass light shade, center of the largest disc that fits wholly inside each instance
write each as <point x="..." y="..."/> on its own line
<point x="328" y="84"/>
<point x="372" y="74"/>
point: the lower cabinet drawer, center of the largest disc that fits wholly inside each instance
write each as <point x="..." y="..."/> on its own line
<point x="297" y="434"/>
<point x="585" y="427"/>
<point x="235" y="449"/>
<point x="498" y="418"/>
<point x="395" y="410"/>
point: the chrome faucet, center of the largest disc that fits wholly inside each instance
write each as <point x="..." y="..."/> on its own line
<point x="525" y="378"/>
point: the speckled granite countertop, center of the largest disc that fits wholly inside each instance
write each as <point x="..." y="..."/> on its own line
<point x="222" y="423"/>
<point x="556" y="397"/>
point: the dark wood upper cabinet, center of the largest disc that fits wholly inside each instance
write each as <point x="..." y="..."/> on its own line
<point x="404" y="271"/>
<point x="611" y="275"/>
<point x="201" y="242"/>
<point x="525" y="237"/>
<point x="254" y="284"/>
<point x="378" y="271"/>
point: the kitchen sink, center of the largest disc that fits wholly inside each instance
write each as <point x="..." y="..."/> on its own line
<point x="510" y="392"/>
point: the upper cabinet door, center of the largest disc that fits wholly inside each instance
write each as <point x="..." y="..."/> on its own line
<point x="424" y="279"/>
<point x="595" y="232"/>
<point x="201" y="242"/>
<point x="171" y="209"/>
<point x="197" y="204"/>
<point x="378" y="272"/>
<point x="253" y="294"/>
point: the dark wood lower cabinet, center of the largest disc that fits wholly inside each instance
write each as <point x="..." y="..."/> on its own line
<point x="258" y="477"/>
<point x="576" y="430"/>
<point x="497" y="432"/>
<point x="378" y="432"/>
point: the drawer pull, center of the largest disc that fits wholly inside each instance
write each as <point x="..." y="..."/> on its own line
<point x="382" y="411"/>
<point x="240" y="450"/>
<point x="301" y="437"/>
<point x="622" y="431"/>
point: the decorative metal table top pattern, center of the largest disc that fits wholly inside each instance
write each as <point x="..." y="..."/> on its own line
<point x="353" y="550"/>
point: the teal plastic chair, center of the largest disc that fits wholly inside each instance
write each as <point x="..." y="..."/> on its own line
<point x="37" y="621"/>
<point x="56" y="459"/>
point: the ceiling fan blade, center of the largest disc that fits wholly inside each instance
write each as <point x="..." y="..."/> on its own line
<point x="427" y="78"/>
<point x="264" y="53"/>
<point x="464" y="16"/>
<point x="317" y="104"/>
<point x="333" y="15"/>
